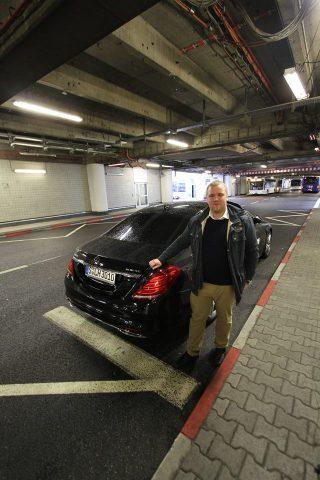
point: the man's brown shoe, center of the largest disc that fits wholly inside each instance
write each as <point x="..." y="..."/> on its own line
<point x="186" y="362"/>
<point x="216" y="356"/>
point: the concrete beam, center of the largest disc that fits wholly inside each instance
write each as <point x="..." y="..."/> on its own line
<point x="77" y="82"/>
<point x="147" y="42"/>
<point x="277" y="143"/>
<point x="215" y="138"/>
<point x="287" y="154"/>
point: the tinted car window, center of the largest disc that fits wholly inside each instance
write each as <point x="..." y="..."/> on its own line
<point x="152" y="228"/>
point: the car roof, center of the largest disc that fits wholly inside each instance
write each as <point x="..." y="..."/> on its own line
<point x="183" y="208"/>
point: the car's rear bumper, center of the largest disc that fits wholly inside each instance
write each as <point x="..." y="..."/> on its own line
<point x="139" y="319"/>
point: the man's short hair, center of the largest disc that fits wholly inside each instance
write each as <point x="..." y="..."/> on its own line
<point x="216" y="183"/>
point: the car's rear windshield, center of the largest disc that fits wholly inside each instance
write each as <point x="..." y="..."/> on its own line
<point x="153" y="228"/>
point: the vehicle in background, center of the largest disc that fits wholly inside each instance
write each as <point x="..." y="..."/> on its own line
<point x="110" y="278"/>
<point x="282" y="185"/>
<point x="262" y="186"/>
<point x="311" y="184"/>
<point x="295" y="184"/>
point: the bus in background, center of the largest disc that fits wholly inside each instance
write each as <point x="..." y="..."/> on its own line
<point x="262" y="186"/>
<point x="295" y="184"/>
<point x="310" y="184"/>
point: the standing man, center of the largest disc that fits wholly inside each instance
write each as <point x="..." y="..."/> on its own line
<point x="225" y="254"/>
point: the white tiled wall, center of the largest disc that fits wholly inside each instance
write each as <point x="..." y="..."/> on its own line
<point x="120" y="187"/>
<point x="63" y="189"/>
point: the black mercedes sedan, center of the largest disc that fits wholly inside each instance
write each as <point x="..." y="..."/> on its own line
<point x="110" y="278"/>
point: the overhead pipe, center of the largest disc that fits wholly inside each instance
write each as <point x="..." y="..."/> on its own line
<point x="226" y="119"/>
<point x="246" y="50"/>
<point x="14" y="16"/>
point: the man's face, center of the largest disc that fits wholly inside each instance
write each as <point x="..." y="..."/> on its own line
<point x="217" y="199"/>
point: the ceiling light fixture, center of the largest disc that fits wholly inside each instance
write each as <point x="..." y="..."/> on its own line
<point x="152" y="165"/>
<point x="28" y="139"/>
<point x="177" y="143"/>
<point x="36" y="154"/>
<point x="293" y="80"/>
<point x="167" y="166"/>
<point x="116" y="165"/>
<point x="263" y="166"/>
<point x="317" y="149"/>
<point x="23" y="144"/>
<point x="29" y="170"/>
<point x="31" y="107"/>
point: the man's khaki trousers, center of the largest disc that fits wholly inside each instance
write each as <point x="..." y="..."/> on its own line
<point x="201" y="304"/>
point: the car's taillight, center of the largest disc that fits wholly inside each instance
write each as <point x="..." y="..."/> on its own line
<point x="70" y="268"/>
<point x="158" y="283"/>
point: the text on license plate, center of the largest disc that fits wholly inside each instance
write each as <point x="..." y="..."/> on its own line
<point x="100" y="274"/>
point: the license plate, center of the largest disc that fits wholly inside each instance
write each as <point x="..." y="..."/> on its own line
<point x="100" y="274"/>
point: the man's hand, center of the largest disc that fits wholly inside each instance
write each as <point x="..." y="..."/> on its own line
<point x="155" y="263"/>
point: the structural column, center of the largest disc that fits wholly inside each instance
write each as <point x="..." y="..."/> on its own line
<point x="97" y="187"/>
<point x="166" y="185"/>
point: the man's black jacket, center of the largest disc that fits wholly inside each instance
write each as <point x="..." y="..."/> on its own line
<point x="242" y="247"/>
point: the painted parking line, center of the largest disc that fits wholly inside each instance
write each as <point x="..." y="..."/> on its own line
<point x="282" y="222"/>
<point x="44" y="238"/>
<point x="317" y="204"/>
<point x="13" y="269"/>
<point x="69" y="388"/>
<point x="30" y="265"/>
<point x="171" y="384"/>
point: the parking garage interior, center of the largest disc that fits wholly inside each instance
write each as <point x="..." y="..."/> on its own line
<point x="108" y="108"/>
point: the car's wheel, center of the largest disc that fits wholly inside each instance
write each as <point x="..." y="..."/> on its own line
<point x="267" y="247"/>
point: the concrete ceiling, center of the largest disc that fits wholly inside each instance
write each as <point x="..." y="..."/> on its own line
<point x="135" y="71"/>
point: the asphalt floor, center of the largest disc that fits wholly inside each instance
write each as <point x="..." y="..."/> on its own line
<point x="106" y="435"/>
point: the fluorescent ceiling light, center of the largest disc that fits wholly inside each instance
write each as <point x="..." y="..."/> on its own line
<point x="23" y="144"/>
<point x="153" y="165"/>
<point x="31" y="154"/>
<point x="29" y="170"/>
<point x="177" y="143"/>
<point x="29" y="139"/>
<point x="263" y="166"/>
<point x="116" y="165"/>
<point x="31" y="107"/>
<point x="293" y="80"/>
<point x="167" y="166"/>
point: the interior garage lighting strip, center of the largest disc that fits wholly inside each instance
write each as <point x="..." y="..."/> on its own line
<point x="29" y="170"/>
<point x="31" y="107"/>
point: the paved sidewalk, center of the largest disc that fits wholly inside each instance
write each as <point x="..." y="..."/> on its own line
<point x="264" y="423"/>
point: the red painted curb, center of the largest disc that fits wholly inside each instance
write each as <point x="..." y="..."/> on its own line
<point x="287" y="256"/>
<point x="201" y="410"/>
<point x="60" y="225"/>
<point x="266" y="293"/>
<point x="17" y="234"/>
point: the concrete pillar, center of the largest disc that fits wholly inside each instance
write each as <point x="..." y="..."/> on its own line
<point x="243" y="186"/>
<point x="166" y="186"/>
<point x="228" y="181"/>
<point x="97" y="187"/>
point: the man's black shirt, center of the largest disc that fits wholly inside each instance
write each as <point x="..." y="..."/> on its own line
<point x="214" y="252"/>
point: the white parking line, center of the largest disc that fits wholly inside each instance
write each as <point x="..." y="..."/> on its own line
<point x="44" y="238"/>
<point x="276" y="219"/>
<point x="68" y="388"/>
<point x="13" y="269"/>
<point x="171" y="384"/>
<point x="292" y="211"/>
<point x="317" y="204"/>
<point x="74" y="231"/>
<point x="30" y="264"/>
